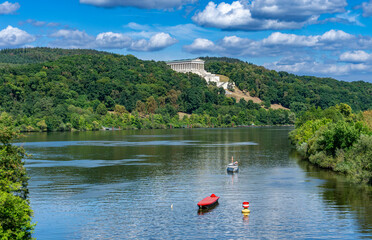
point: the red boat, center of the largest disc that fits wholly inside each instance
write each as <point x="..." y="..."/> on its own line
<point x="208" y="202"/>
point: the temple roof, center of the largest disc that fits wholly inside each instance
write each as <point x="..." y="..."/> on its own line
<point x="196" y="60"/>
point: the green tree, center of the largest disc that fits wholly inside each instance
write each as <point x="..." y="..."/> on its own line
<point x="101" y="109"/>
<point x="119" y="109"/>
<point x="42" y="125"/>
<point x="15" y="212"/>
<point x="151" y="104"/>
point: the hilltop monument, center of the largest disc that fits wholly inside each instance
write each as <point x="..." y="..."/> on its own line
<point x="196" y="66"/>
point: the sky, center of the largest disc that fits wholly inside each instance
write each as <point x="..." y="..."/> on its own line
<point x="325" y="38"/>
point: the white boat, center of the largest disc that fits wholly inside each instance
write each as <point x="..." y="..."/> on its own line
<point x="232" y="167"/>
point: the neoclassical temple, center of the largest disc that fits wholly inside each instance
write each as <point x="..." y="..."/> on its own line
<point x="187" y="65"/>
<point x="196" y="66"/>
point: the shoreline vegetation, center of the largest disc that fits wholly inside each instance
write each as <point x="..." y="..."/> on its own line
<point x="129" y="121"/>
<point x="15" y="211"/>
<point x="336" y="139"/>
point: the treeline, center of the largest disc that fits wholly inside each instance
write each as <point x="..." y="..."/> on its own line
<point x="40" y="54"/>
<point x="15" y="212"/>
<point x="298" y="93"/>
<point x="86" y="92"/>
<point x="337" y="139"/>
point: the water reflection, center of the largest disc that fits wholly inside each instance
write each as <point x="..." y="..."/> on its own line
<point x="342" y="196"/>
<point x="203" y="211"/>
<point x="106" y="185"/>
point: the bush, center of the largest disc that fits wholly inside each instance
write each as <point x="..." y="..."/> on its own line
<point x="101" y="109"/>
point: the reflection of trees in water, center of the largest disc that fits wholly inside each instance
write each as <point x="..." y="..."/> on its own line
<point x="337" y="190"/>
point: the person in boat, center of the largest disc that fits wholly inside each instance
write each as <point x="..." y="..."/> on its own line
<point x="232" y="161"/>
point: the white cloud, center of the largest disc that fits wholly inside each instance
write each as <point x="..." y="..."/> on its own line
<point x="72" y="39"/>
<point x="14" y="37"/>
<point x="237" y="16"/>
<point x="148" y="4"/>
<point x="367" y="9"/>
<point x="295" y="10"/>
<point x="278" y="38"/>
<point x="108" y="40"/>
<point x="336" y="35"/>
<point x="355" y="56"/>
<point x="157" y="42"/>
<point x="320" y="68"/>
<point x="113" y="40"/>
<point x="200" y="45"/>
<point x="266" y="14"/>
<point x="279" y="43"/>
<point x="8" y="8"/>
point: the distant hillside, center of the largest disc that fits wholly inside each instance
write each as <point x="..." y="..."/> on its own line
<point x="86" y="91"/>
<point x="40" y="54"/>
<point x="295" y="92"/>
<point x="221" y="59"/>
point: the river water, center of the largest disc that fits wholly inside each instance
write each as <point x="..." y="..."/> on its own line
<point x="145" y="184"/>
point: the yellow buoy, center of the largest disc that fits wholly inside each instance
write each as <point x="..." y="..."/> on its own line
<point x="246" y="211"/>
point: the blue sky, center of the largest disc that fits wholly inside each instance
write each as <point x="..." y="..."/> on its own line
<point x="306" y="37"/>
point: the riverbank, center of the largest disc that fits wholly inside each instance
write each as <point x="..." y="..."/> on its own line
<point x="336" y="139"/>
<point x="131" y="121"/>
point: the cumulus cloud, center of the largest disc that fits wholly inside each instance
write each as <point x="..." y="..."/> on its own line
<point x="155" y="43"/>
<point x="237" y="16"/>
<point x="295" y="10"/>
<point x="72" y="39"/>
<point x="113" y="40"/>
<point x="278" y="38"/>
<point x="14" y="37"/>
<point x="109" y="40"/>
<point x="8" y="8"/>
<point x="200" y="45"/>
<point x="148" y="4"/>
<point x="265" y="14"/>
<point x="314" y="67"/>
<point x="355" y="56"/>
<point x="279" y="43"/>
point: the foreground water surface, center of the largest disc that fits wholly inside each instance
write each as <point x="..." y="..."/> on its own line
<point x="122" y="184"/>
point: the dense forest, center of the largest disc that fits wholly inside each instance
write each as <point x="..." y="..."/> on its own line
<point x="88" y="91"/>
<point x="298" y="93"/>
<point x="337" y="139"/>
<point x="62" y="90"/>
<point x="40" y="54"/>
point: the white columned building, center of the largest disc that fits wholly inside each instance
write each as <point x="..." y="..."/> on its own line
<point x="196" y="66"/>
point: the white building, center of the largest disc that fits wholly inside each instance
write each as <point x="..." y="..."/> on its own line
<point x="196" y="66"/>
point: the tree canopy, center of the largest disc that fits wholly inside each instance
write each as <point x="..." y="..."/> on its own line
<point x="295" y="92"/>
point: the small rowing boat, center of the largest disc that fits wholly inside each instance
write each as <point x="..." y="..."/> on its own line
<point x="233" y="166"/>
<point x="208" y="202"/>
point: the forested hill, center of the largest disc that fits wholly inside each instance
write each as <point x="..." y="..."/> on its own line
<point x="40" y="54"/>
<point x="292" y="91"/>
<point x="86" y="90"/>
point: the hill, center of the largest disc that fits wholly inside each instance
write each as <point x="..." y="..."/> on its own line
<point x="40" y="54"/>
<point x="87" y="91"/>
<point x="291" y="91"/>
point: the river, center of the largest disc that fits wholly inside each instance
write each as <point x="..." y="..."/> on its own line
<point x="145" y="184"/>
